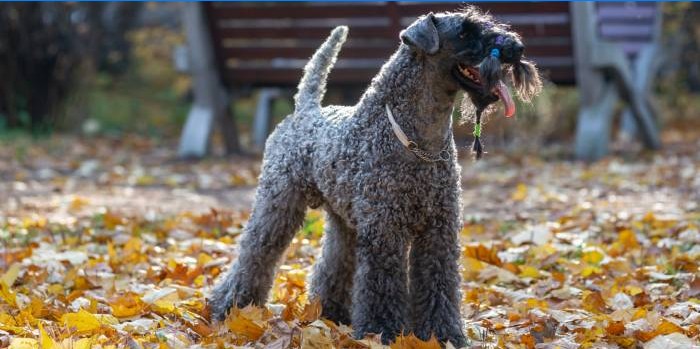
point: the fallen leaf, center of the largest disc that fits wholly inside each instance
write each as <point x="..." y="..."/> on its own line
<point x="9" y="277"/>
<point x="528" y="271"/>
<point x="46" y="341"/>
<point x="82" y="321"/>
<point x="671" y="341"/>
<point x="412" y="342"/>
<point x="520" y="192"/>
<point x="24" y="343"/>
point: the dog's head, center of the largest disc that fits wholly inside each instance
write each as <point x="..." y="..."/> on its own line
<point x="477" y="54"/>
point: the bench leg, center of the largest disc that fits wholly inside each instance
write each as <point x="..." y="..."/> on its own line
<point x="263" y="116"/>
<point x="645" y="68"/>
<point x="211" y="100"/>
<point x="194" y="141"/>
<point x="228" y="128"/>
<point x="593" y="129"/>
<point x="612" y="58"/>
<point x="645" y="121"/>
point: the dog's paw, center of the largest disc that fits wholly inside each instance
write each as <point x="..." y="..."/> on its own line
<point x="220" y="302"/>
<point x="224" y="297"/>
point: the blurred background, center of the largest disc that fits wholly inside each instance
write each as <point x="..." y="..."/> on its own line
<point x="130" y="146"/>
<point x="111" y="70"/>
<point x="166" y="106"/>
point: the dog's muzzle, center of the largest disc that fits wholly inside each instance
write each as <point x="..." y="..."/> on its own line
<point x="500" y="89"/>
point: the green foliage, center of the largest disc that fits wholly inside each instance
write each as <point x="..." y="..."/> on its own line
<point x="149" y="98"/>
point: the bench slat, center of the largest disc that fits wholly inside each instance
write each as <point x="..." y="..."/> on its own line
<point x="416" y="8"/>
<point x="360" y="52"/>
<point x="626" y="31"/>
<point x="528" y="31"/>
<point x="261" y="44"/>
<point x="630" y="25"/>
<point x="317" y="10"/>
<point x="368" y="9"/>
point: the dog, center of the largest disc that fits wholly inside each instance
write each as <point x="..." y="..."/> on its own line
<point x="385" y="171"/>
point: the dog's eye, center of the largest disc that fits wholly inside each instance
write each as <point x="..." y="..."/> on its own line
<point x="468" y="29"/>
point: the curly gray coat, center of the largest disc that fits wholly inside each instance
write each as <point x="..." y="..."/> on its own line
<point x="390" y="248"/>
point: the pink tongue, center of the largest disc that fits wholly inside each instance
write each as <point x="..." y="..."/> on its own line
<point x="504" y="95"/>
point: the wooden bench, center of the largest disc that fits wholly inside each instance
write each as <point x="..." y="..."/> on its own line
<point x="235" y="47"/>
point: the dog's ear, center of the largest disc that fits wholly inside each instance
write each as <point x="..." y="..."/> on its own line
<point x="422" y="35"/>
<point x="526" y="80"/>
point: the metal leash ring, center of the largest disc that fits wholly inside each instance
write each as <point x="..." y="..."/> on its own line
<point x="444" y="155"/>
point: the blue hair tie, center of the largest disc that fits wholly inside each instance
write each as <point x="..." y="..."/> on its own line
<point x="495" y="53"/>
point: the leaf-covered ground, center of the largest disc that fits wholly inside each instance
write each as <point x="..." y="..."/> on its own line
<point x="107" y="243"/>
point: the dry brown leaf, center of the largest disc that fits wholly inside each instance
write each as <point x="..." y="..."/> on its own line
<point x="482" y="253"/>
<point x="311" y="312"/>
<point x="412" y="342"/>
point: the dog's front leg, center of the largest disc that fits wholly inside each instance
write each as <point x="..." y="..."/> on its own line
<point x="380" y="292"/>
<point x="435" y="279"/>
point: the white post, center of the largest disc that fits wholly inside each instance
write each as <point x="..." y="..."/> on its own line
<point x="209" y="95"/>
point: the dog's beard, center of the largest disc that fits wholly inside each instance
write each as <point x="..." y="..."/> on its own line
<point x="467" y="110"/>
<point x="523" y="75"/>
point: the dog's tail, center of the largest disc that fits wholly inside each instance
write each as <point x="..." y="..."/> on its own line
<point x="312" y="86"/>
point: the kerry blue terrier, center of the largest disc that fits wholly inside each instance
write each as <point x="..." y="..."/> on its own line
<point x="386" y="173"/>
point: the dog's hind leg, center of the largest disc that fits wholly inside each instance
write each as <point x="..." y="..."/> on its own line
<point x="277" y="215"/>
<point x="333" y="272"/>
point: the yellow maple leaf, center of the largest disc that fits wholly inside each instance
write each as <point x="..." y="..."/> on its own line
<point x="83" y="343"/>
<point x="639" y="313"/>
<point x="127" y="305"/>
<point x="592" y="255"/>
<point x="7" y="295"/>
<point x="312" y="311"/>
<point x="413" y="342"/>
<point x="83" y="321"/>
<point x="533" y="303"/>
<point x="55" y="289"/>
<point x="112" y="220"/>
<point x="528" y="271"/>
<point x="664" y="328"/>
<point x="106" y="319"/>
<point x="111" y="252"/>
<point x="78" y="203"/>
<point x="593" y="301"/>
<point x="199" y="281"/>
<point x="472" y="267"/>
<point x="482" y="253"/>
<point x="46" y="341"/>
<point x="242" y="326"/>
<point x="163" y="306"/>
<point x="297" y="277"/>
<point x="633" y="290"/>
<point x="520" y="192"/>
<point x="590" y="270"/>
<point x="627" y="239"/>
<point x="203" y="259"/>
<point x="11" y="274"/>
<point x="528" y="341"/>
<point x="24" y="343"/>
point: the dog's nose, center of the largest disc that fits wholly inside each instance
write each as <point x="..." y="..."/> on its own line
<point x="513" y="52"/>
<point x="518" y="51"/>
